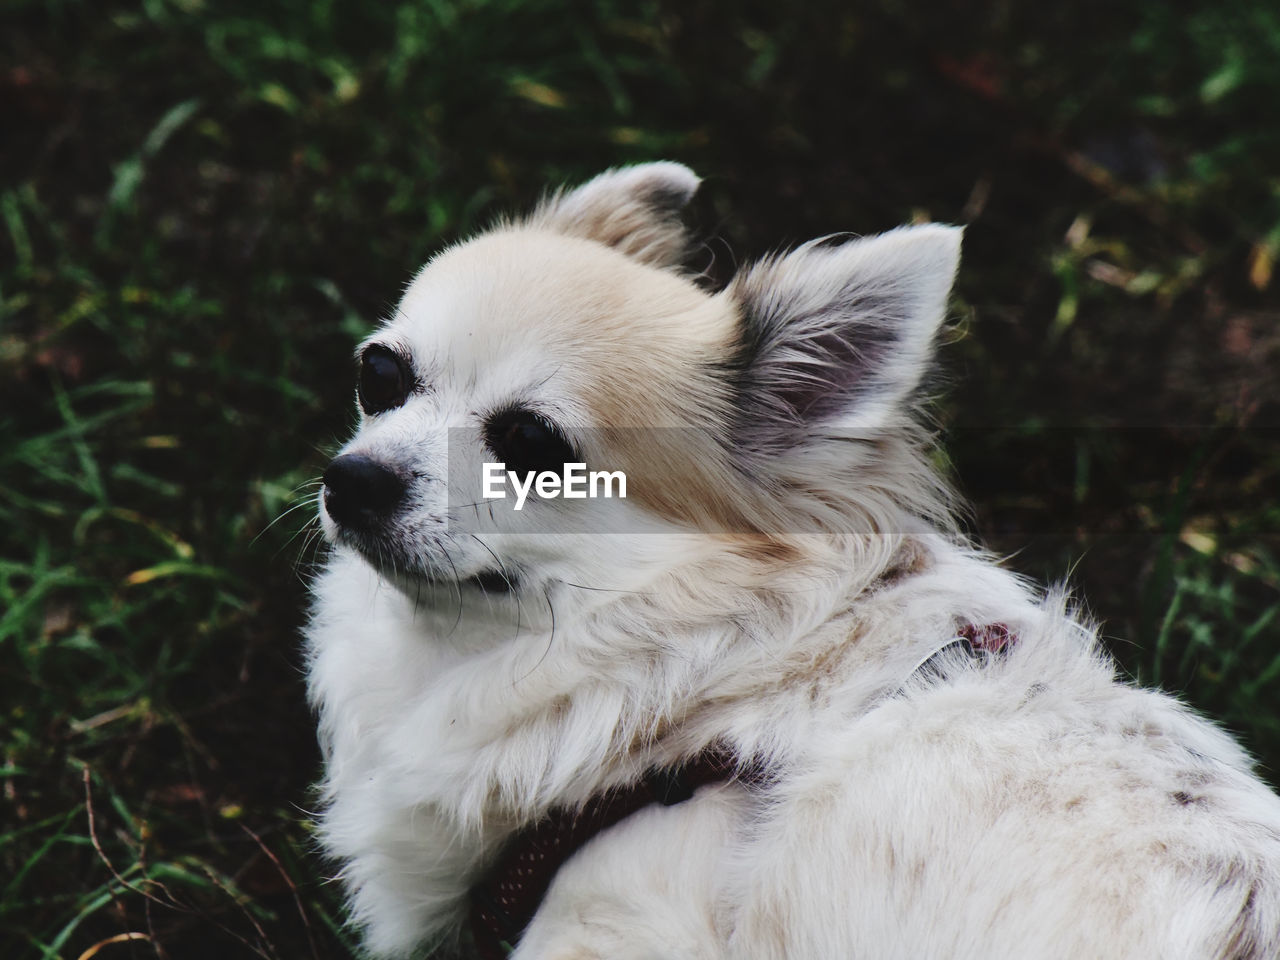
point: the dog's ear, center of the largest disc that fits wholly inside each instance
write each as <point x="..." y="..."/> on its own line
<point x="838" y="335"/>
<point x="635" y="210"/>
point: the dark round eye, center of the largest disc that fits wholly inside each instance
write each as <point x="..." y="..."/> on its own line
<point x="384" y="381"/>
<point x="526" y="441"/>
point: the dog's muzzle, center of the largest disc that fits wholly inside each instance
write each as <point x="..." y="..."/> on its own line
<point x="359" y="491"/>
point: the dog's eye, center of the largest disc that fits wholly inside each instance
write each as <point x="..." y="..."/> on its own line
<point x="526" y="441"/>
<point x="384" y="381"/>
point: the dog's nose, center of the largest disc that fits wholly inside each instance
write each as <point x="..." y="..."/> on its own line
<point x="359" y="490"/>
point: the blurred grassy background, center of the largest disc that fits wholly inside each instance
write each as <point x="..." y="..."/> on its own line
<point x="203" y="204"/>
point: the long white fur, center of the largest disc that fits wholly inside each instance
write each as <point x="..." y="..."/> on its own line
<point x="1030" y="805"/>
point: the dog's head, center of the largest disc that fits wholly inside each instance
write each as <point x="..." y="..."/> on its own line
<point x="777" y="406"/>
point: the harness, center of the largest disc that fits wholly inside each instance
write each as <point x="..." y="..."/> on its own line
<point x="506" y="898"/>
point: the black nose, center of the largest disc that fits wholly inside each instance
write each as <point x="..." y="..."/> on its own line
<point x="359" y="490"/>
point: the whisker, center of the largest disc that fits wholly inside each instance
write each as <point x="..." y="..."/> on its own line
<point x="312" y="523"/>
<point x="292" y="508"/>
<point x="551" y="607"/>
<point x="583" y="586"/>
<point x="502" y="567"/>
<point x="457" y="585"/>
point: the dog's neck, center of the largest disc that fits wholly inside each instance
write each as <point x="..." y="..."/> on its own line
<point x="637" y="692"/>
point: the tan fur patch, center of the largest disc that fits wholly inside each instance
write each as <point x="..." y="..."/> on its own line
<point x="642" y="344"/>
<point x="763" y="549"/>
<point x="909" y="560"/>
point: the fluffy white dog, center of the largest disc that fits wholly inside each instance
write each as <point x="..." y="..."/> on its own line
<point x="886" y="745"/>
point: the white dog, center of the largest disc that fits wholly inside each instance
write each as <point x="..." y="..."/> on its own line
<point x="887" y="746"/>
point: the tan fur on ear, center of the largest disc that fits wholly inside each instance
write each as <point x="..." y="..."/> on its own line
<point x="635" y="210"/>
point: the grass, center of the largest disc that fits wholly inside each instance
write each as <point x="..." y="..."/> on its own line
<point x="203" y="205"/>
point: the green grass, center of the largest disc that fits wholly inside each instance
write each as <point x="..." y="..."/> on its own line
<point x="203" y="205"/>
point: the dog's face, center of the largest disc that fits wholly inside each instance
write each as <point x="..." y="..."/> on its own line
<point x="569" y="338"/>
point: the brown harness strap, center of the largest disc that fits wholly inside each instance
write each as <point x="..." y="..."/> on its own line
<point x="504" y="902"/>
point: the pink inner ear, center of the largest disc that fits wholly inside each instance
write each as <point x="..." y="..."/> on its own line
<point x="797" y="371"/>
<point x="829" y="330"/>
<point x="834" y="361"/>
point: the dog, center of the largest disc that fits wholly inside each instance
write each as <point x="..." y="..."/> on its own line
<point x="883" y="743"/>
